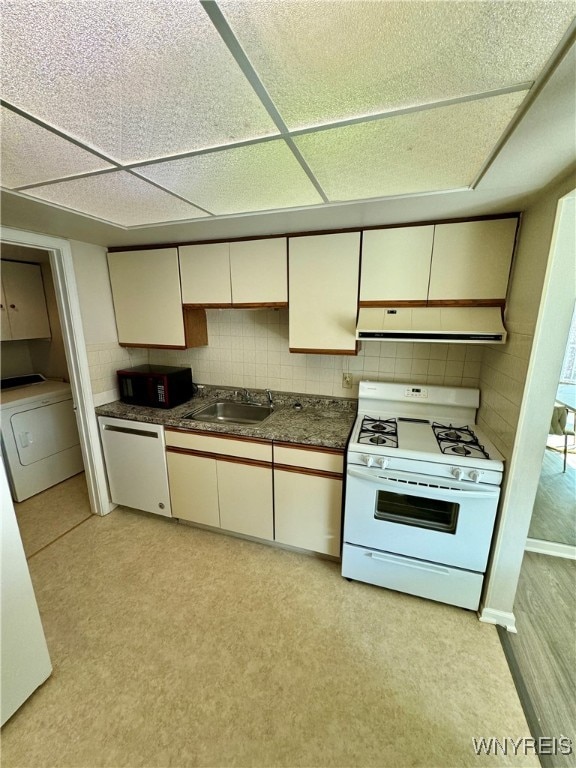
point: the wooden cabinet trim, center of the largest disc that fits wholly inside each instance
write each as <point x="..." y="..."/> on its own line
<point x="306" y="471"/>
<point x="219" y="457"/>
<point x="260" y="305"/>
<point x="302" y="447"/>
<point x="195" y="327"/>
<point x="403" y="303"/>
<point x="467" y="303"/>
<point x="221" y="435"/>
<point x="151" y="346"/>
<point x="307" y="351"/>
<point x="208" y="305"/>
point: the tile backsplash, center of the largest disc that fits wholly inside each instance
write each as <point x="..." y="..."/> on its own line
<point x="249" y="348"/>
<point x="105" y="359"/>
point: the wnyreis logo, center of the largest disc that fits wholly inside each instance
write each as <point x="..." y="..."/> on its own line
<point x="545" y="745"/>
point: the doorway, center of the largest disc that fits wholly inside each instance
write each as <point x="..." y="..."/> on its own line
<point x="68" y="307"/>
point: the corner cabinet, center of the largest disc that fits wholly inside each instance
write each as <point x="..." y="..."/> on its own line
<point x="223" y="482"/>
<point x="244" y="274"/>
<point x="148" y="302"/>
<point x="23" y="304"/>
<point x="323" y="273"/>
<point x="308" y="497"/>
<point x="454" y="264"/>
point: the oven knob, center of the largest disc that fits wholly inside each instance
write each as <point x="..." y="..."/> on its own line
<point x="456" y="472"/>
<point x="475" y="476"/>
<point x="383" y="463"/>
<point x="368" y="460"/>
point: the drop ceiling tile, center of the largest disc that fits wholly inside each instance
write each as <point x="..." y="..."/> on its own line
<point x="326" y="61"/>
<point x="431" y="150"/>
<point x="31" y="154"/>
<point x="253" y="178"/>
<point x="136" y="79"/>
<point x="117" y="197"/>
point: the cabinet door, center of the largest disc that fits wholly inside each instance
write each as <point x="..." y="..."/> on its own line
<point x="26" y="303"/>
<point x="246" y="504"/>
<point x="6" y="333"/>
<point x="205" y="274"/>
<point x="259" y="272"/>
<point x="147" y="300"/>
<point x="471" y="260"/>
<point x="396" y="264"/>
<point x="323" y="289"/>
<point x="308" y="511"/>
<point x="193" y="488"/>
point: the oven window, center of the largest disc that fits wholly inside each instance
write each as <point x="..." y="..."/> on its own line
<point x="433" y="514"/>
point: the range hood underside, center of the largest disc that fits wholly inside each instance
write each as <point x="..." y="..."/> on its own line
<point x="465" y="325"/>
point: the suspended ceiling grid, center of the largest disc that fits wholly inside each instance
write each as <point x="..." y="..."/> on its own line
<point x="147" y="111"/>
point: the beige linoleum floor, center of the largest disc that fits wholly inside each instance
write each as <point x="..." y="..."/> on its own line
<point x="174" y="646"/>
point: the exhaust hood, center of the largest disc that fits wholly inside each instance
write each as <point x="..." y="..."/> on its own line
<point x="467" y="325"/>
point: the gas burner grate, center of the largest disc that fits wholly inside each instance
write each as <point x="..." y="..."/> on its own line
<point x="382" y="432"/>
<point x="458" y="441"/>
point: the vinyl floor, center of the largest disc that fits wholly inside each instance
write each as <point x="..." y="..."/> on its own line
<point x="554" y="514"/>
<point x="542" y="655"/>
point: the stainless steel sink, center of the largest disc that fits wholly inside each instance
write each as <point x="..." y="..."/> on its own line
<point x="231" y="412"/>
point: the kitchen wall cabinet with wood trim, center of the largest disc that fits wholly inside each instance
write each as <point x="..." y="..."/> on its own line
<point x="24" y="314"/>
<point x="223" y="482"/>
<point x="244" y="274"/>
<point x="308" y="498"/>
<point x="148" y="301"/>
<point x="463" y="263"/>
<point x="323" y="273"/>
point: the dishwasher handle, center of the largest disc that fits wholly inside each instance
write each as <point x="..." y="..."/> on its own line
<point x="130" y="431"/>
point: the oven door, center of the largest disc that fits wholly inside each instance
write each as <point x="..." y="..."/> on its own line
<point x="429" y="518"/>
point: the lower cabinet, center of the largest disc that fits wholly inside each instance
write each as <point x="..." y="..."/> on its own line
<point x="222" y="482"/>
<point x="308" y="498"/>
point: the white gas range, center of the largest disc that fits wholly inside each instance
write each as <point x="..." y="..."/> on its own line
<point x="422" y="491"/>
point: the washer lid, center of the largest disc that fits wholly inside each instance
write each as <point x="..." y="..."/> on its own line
<point x="32" y="393"/>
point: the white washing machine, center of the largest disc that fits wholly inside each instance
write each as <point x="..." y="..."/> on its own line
<point x="40" y="443"/>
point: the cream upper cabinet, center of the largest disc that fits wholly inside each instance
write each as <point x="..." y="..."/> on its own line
<point x="471" y="260"/>
<point x="323" y="292"/>
<point x="24" y="312"/>
<point x="396" y="264"/>
<point x="248" y="273"/>
<point x="259" y="273"/>
<point x="205" y="274"/>
<point x="147" y="300"/>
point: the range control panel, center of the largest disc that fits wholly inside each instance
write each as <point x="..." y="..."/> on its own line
<point x="421" y="393"/>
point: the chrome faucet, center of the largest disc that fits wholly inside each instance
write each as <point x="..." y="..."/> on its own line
<point x="270" y="399"/>
<point x="246" y="396"/>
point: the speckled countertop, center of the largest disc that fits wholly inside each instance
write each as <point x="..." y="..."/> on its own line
<point x="322" y="421"/>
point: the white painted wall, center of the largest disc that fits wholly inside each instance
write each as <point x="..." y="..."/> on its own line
<point x="105" y="355"/>
<point x="540" y="318"/>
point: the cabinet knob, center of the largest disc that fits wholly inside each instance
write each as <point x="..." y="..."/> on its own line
<point x="12" y="306"/>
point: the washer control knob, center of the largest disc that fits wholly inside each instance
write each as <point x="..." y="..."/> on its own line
<point x="383" y="462"/>
<point x="368" y="460"/>
<point x="475" y="476"/>
<point x="456" y="472"/>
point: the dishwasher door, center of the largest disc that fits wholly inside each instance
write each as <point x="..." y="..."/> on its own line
<point x="135" y="458"/>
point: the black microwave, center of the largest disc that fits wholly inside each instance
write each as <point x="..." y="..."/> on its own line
<point x="156" y="386"/>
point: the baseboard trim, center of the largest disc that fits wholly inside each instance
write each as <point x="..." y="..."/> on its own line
<point x="504" y="619"/>
<point x="554" y="548"/>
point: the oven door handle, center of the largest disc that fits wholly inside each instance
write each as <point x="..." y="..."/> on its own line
<point x="444" y="494"/>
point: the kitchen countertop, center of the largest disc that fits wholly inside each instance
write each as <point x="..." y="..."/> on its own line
<point x="323" y="421"/>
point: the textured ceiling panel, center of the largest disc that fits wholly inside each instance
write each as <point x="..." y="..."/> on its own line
<point x="135" y="79"/>
<point x="31" y="154"/>
<point x="323" y="62"/>
<point x="254" y="178"/>
<point x="427" y="151"/>
<point x="118" y="197"/>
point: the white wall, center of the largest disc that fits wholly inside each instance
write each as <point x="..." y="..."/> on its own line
<point x="249" y="348"/>
<point x="105" y="355"/>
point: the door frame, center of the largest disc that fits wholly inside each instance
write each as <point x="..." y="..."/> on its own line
<point x="68" y="302"/>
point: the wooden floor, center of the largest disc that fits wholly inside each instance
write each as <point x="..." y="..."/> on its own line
<point x="554" y="515"/>
<point x="542" y="656"/>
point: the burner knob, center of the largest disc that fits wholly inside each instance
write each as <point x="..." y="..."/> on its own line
<point x="368" y="460"/>
<point x="475" y="476"/>
<point x="456" y="472"/>
<point x="383" y="463"/>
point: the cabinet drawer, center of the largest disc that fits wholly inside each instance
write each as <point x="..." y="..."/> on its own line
<point x="309" y="459"/>
<point x="223" y="446"/>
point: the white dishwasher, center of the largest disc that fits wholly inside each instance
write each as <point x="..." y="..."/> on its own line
<point x="135" y="455"/>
